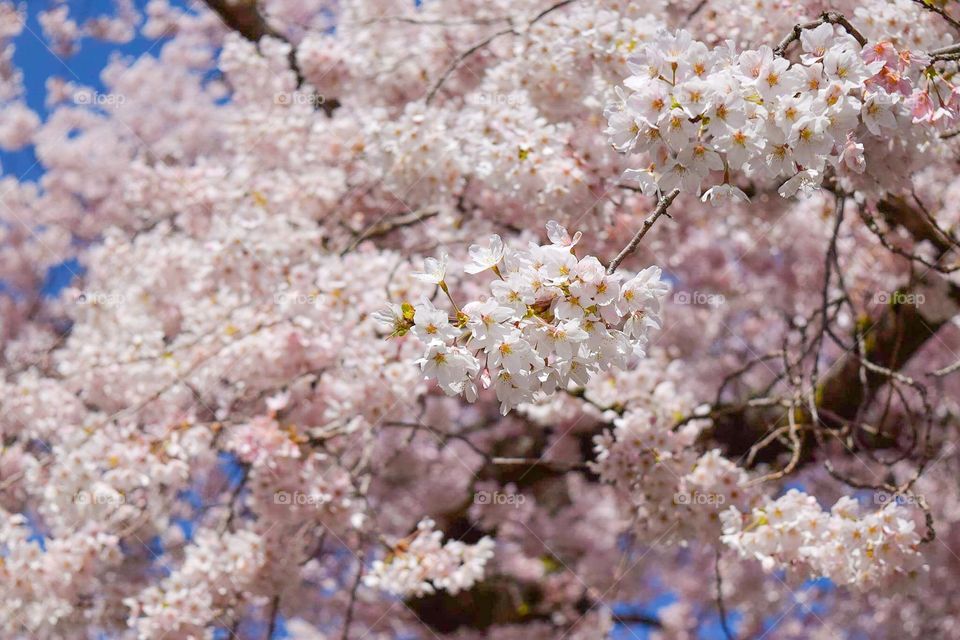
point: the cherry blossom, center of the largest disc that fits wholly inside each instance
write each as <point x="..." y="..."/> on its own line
<point x="318" y="372"/>
<point x="552" y="320"/>
<point x="421" y="565"/>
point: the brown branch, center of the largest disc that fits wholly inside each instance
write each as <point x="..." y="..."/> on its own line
<point x="721" y="607"/>
<point x="883" y="346"/>
<point x="921" y="224"/>
<point x="693" y="12"/>
<point x="929" y="6"/>
<point x="638" y="618"/>
<point x="661" y="209"/>
<point x="874" y="228"/>
<point x="944" y="51"/>
<point x="348" y="617"/>
<point x="828" y="17"/>
<point x="274" y="610"/>
<point x="244" y="17"/>
<point x="386" y="227"/>
<point x="455" y="64"/>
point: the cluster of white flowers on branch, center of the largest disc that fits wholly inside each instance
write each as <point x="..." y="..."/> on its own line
<point x="38" y="584"/>
<point x="421" y="564"/>
<point x="677" y="494"/>
<point x="701" y="113"/>
<point x="216" y="571"/>
<point x="844" y="545"/>
<point x="552" y="320"/>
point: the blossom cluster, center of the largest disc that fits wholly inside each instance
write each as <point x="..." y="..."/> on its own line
<point x="422" y="564"/>
<point x="844" y="545"/>
<point x="552" y="320"/>
<point x="698" y="112"/>
<point x="676" y="495"/>
<point x="41" y="578"/>
<point x="217" y="569"/>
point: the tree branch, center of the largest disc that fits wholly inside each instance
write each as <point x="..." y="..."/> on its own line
<point x="929" y="6"/>
<point x="828" y="17"/>
<point x="244" y="17"/>
<point x="456" y="62"/>
<point x="887" y="344"/>
<point x="661" y="209"/>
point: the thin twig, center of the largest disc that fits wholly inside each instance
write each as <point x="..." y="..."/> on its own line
<point x="929" y="6"/>
<point x="872" y="225"/>
<point x="274" y="609"/>
<point x="348" y="617"/>
<point x="430" y="22"/>
<point x="638" y="618"/>
<point x="661" y="209"/>
<point x="828" y="17"/>
<point x="720" y="606"/>
<point x="455" y="64"/>
<point x="386" y="227"/>
<point x="944" y="51"/>
<point x="693" y="12"/>
<point x="947" y="370"/>
<point x="559" y="465"/>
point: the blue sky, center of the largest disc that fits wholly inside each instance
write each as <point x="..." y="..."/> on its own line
<point x="38" y="63"/>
